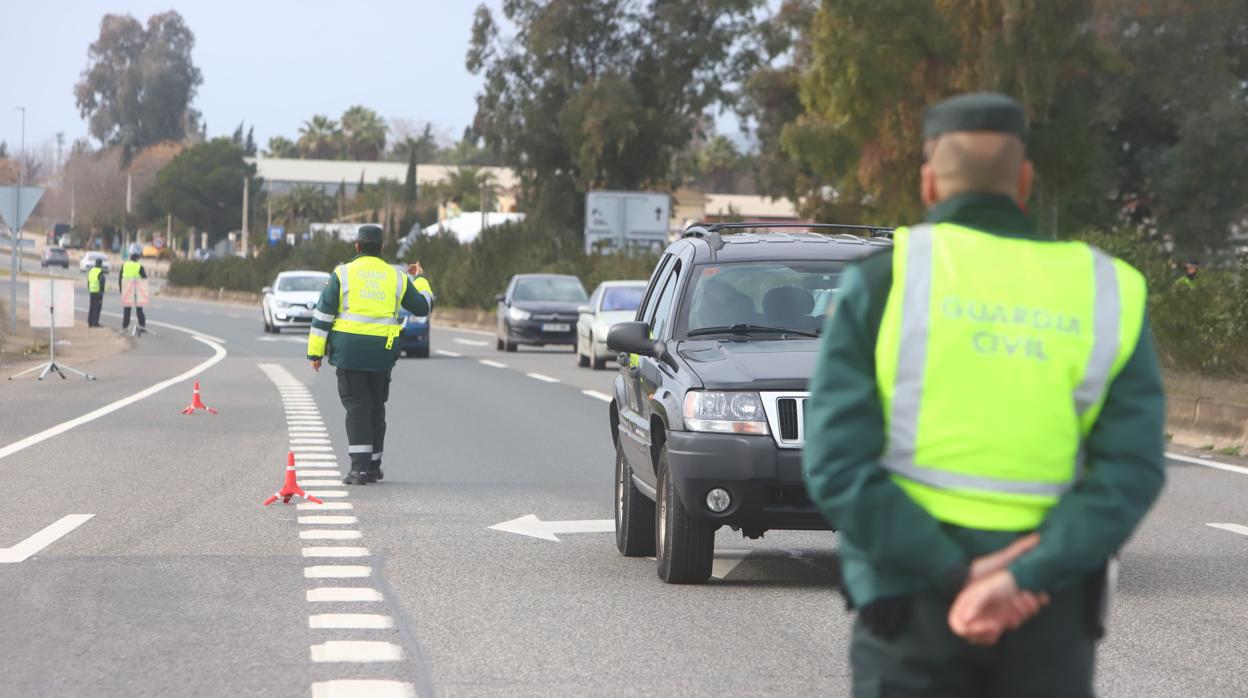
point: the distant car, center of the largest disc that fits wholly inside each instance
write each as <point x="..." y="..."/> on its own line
<point x="87" y="263"/>
<point x="54" y="257"/>
<point x="610" y="303"/>
<point x="204" y="254"/>
<point x="539" y="309"/>
<point x="291" y="298"/>
<point x="151" y="251"/>
<point x="414" y="341"/>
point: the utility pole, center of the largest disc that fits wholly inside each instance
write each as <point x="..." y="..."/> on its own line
<point x="246" y="206"/>
<point x="14" y="237"/>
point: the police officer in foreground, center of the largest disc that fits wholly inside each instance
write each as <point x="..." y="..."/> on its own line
<point x="357" y="317"/>
<point x="95" y="291"/>
<point x="985" y="430"/>
<point x="131" y="269"/>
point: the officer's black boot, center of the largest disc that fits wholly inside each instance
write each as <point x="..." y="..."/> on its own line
<point x="374" y="469"/>
<point x="360" y="474"/>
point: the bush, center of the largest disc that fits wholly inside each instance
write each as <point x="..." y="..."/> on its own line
<point x="254" y="273"/>
<point x="1201" y="327"/>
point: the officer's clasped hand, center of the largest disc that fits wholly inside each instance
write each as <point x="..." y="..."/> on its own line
<point x="991" y="603"/>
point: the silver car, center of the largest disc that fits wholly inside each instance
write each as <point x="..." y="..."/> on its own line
<point x="611" y="302"/>
<point x="290" y="300"/>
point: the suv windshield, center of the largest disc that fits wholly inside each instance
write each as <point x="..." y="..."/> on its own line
<point x="549" y="289"/>
<point x="615" y="298"/>
<point x="301" y="283"/>
<point x="761" y="297"/>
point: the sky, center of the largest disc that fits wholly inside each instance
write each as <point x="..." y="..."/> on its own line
<point x="269" y="63"/>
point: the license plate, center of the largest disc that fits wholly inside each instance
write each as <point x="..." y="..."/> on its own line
<point x="556" y="327"/>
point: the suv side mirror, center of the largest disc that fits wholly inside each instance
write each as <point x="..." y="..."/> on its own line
<point x="631" y="338"/>
<point x="583" y="310"/>
<point x="266" y="289"/>
<point x="500" y="298"/>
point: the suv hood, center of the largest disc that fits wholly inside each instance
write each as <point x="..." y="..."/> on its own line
<point x="780" y="364"/>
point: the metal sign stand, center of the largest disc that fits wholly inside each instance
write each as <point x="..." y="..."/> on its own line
<point x="51" y="365"/>
<point x="137" y="330"/>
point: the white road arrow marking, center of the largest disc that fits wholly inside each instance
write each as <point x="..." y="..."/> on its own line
<point x="43" y="539"/>
<point x="530" y="525"/>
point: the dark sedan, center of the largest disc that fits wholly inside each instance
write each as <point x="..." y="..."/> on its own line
<point x="539" y="309"/>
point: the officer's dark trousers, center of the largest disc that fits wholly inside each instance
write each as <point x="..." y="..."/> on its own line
<point x="364" y="395"/>
<point x="125" y="317"/>
<point x="93" y="311"/>
<point x="1050" y="655"/>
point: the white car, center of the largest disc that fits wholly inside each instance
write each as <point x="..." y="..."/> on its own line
<point x="87" y="263"/>
<point x="611" y="302"/>
<point x="290" y="300"/>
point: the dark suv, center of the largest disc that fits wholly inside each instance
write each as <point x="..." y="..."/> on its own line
<point x="707" y="414"/>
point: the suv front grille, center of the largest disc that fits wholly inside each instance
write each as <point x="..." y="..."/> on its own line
<point x="786" y="416"/>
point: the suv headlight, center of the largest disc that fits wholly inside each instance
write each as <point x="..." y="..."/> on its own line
<point x="518" y="315"/>
<point x="725" y="412"/>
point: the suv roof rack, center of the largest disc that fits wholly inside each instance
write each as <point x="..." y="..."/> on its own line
<point x="874" y="230"/>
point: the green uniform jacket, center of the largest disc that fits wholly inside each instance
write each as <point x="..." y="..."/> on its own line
<point x="359" y="352"/>
<point x="889" y="545"/>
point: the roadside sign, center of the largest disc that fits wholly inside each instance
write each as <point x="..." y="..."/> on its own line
<point x="276" y="232"/>
<point x="51" y="301"/>
<point x="135" y="293"/>
<point x="9" y="202"/>
<point x="621" y="219"/>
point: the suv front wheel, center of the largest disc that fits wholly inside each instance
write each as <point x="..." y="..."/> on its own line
<point x="634" y="513"/>
<point x="685" y="547"/>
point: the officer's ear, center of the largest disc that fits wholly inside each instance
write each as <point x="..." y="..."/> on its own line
<point x="1026" y="177"/>
<point x="927" y="186"/>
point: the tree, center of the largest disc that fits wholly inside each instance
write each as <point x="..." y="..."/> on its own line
<point x="139" y="84"/>
<point x="600" y="93"/>
<point x="364" y="133"/>
<point x="424" y="147"/>
<point x="409" y="183"/>
<point x="203" y="186"/>
<point x="282" y="147"/>
<point x="320" y="138"/>
<point x="303" y="204"/>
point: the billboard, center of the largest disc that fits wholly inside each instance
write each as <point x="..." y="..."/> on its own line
<point x="623" y="219"/>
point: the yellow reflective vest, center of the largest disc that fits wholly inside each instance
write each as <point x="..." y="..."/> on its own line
<point x="93" y="280"/>
<point x="130" y="270"/>
<point x="993" y="360"/>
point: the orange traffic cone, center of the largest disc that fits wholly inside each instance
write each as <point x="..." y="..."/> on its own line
<point x="197" y="404"/>
<point x="290" y="488"/>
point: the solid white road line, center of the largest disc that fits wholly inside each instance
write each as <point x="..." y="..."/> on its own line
<point x="335" y="551"/>
<point x="1209" y="463"/>
<point x="316" y="472"/>
<point x="336" y="571"/>
<point x="305" y="484"/>
<point x="309" y="440"/>
<point x="449" y="354"/>
<point x="329" y="534"/>
<point x="362" y="688"/>
<point x="542" y="377"/>
<point x="314" y="456"/>
<point x="218" y="353"/>
<point x="342" y="594"/>
<point x="180" y="328"/>
<point x="492" y="364"/>
<point x="312" y="506"/>
<point x="328" y="494"/>
<point x="297" y="449"/>
<point x="471" y="342"/>
<point x="1233" y="528"/>
<point x="49" y="535"/>
<point x="324" y="520"/>
<point x="349" y="621"/>
<point x="356" y="651"/>
<point x="597" y="395"/>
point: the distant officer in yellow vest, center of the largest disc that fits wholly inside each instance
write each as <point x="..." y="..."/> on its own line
<point x="95" y="290"/>
<point x="357" y="321"/>
<point x="985" y="430"/>
<point x="131" y="270"/>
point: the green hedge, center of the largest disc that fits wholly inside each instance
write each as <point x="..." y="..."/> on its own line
<point x="253" y="274"/>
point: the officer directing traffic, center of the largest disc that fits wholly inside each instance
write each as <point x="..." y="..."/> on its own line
<point x="95" y="291"/>
<point x="357" y="319"/>
<point x="132" y="269"/>
<point x="985" y="429"/>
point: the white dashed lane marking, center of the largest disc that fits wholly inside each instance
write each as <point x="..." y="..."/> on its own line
<point x="356" y="688"/>
<point x="448" y="354"/>
<point x="492" y="364"/>
<point x="329" y="494"/>
<point x="1233" y="528"/>
<point x="542" y="377"/>
<point x="358" y="651"/>
<point x="342" y="594"/>
<point x="329" y="534"/>
<point x="351" y="621"/>
<point x="326" y="520"/>
<point x="335" y="551"/>
<point x="597" y="395"/>
<point x="327" y="506"/>
<point x="336" y="572"/>
<point x="316" y="472"/>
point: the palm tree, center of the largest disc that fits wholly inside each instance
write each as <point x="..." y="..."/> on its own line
<point x="466" y="185"/>
<point x="365" y="133"/>
<point x="320" y="138"/>
<point x="307" y="204"/>
<point x="282" y="147"/>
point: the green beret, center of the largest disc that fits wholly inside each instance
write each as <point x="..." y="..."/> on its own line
<point x="370" y="233"/>
<point x="982" y="111"/>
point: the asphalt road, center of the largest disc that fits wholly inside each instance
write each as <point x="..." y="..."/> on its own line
<point x="181" y="583"/>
